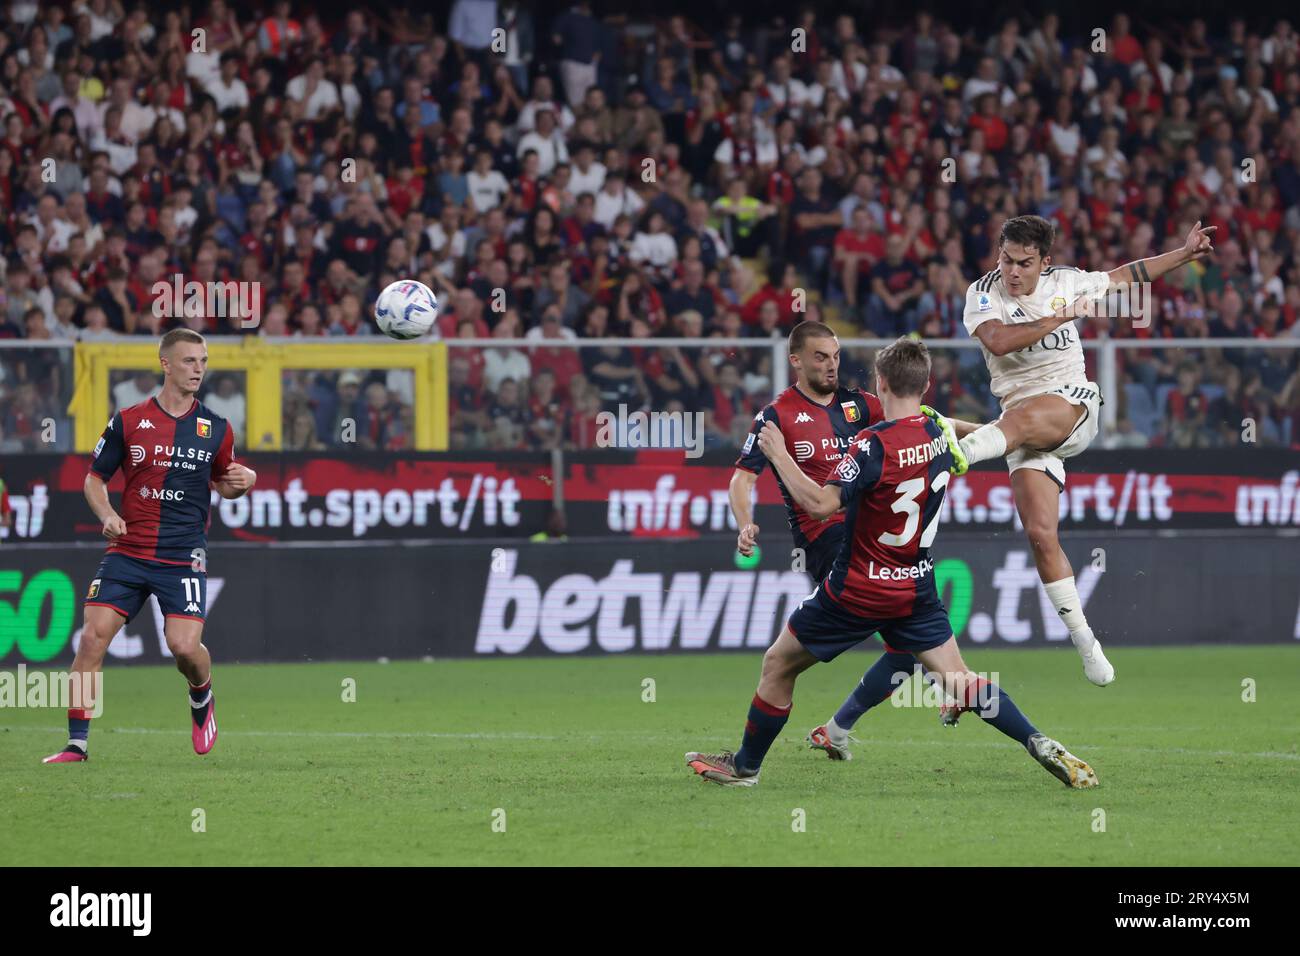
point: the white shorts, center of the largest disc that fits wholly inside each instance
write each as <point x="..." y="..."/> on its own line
<point x="1085" y="430"/>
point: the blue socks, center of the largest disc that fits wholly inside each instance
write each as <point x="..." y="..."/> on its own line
<point x="999" y="710"/>
<point x="78" y="730"/>
<point x="983" y="698"/>
<point x="877" y="684"/>
<point x="761" y="729"/>
<point x="200" y="700"/>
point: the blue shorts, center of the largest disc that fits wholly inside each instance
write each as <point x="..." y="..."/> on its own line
<point x="822" y="553"/>
<point x="124" y="583"/>
<point x="827" y="630"/>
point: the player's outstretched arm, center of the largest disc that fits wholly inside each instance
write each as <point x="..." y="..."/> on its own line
<point x="1198" y="244"/>
<point x="1003" y="338"/>
<point x="820" y="502"/>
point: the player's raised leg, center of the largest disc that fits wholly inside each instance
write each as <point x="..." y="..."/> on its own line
<point x="99" y="627"/>
<point x="1037" y="498"/>
<point x="994" y="706"/>
<point x="783" y="662"/>
<point x="185" y="641"/>
<point x="1041" y="422"/>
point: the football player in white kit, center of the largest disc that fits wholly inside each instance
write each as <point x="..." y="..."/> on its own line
<point x="1023" y="314"/>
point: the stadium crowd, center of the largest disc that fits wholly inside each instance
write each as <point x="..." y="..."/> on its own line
<point x="589" y="176"/>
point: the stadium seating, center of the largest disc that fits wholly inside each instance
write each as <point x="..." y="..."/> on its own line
<point x="318" y="158"/>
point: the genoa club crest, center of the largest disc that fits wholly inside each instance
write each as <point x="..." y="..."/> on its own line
<point x="205" y="428"/>
<point x="851" y="412"/>
<point x="94" y="590"/>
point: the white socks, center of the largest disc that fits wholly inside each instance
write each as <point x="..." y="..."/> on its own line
<point x="985" y="442"/>
<point x="1065" y="598"/>
<point x="837" y="733"/>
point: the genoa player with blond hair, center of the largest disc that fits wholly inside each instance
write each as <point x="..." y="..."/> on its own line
<point x="171" y="449"/>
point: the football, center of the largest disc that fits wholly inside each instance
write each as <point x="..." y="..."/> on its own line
<point x="406" y="309"/>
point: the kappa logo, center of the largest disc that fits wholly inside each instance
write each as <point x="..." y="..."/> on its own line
<point x="137" y="454"/>
<point x="191" y="608"/>
<point x="803" y="450"/>
<point x="802" y="417"/>
<point x="145" y="423"/>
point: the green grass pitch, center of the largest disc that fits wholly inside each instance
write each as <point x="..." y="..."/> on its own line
<point x="586" y="772"/>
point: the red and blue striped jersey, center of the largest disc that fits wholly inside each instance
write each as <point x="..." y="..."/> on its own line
<point x="817" y="437"/>
<point x="892" y="486"/>
<point x="168" y="463"/>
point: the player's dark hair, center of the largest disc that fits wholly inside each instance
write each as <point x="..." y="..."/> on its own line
<point x="905" y="366"/>
<point x="179" y="335"/>
<point x="808" y="330"/>
<point x="1029" y="231"/>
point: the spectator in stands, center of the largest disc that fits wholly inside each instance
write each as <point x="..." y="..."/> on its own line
<point x="509" y="417"/>
<point x="225" y="398"/>
<point x="896" y="287"/>
<point x="747" y="224"/>
<point x="562" y="292"/>
<point x="1187" y="411"/>
<point x="857" y="249"/>
<point x="500" y="363"/>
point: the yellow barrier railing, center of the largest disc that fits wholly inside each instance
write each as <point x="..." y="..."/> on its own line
<point x="263" y="362"/>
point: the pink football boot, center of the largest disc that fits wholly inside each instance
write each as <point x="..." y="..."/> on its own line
<point x="204" y="735"/>
<point x="67" y="755"/>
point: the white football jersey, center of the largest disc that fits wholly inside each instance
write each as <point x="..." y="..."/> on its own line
<point x="1054" y="360"/>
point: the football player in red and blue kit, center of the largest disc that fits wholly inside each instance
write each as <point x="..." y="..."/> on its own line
<point x="171" y="450"/>
<point x="817" y="417"/>
<point x="891" y="487"/>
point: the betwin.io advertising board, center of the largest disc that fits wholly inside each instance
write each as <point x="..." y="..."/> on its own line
<point x="616" y="597"/>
